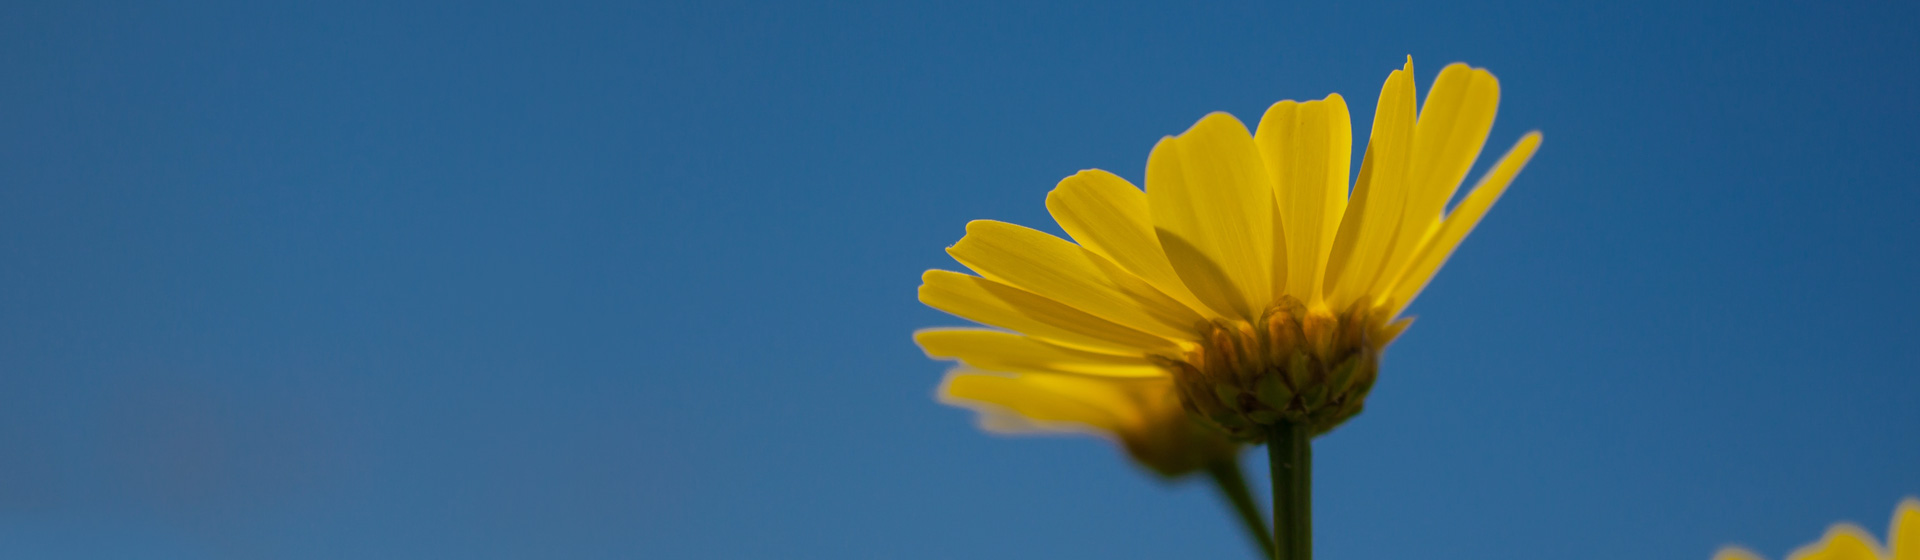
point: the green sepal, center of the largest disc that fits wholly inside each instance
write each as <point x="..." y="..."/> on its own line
<point x="1229" y="395"/>
<point x="1342" y="376"/>
<point x="1300" y="369"/>
<point x="1273" y="392"/>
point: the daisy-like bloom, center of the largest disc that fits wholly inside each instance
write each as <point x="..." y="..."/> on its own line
<point x="1142" y="414"/>
<point x="1246" y="276"/>
<point x="1846" y="541"/>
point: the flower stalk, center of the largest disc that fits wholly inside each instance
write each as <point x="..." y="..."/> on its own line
<point x="1233" y="486"/>
<point x="1290" y="454"/>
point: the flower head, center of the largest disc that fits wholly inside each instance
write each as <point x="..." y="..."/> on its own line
<point x="1247" y="274"/>
<point x="1846" y="541"/>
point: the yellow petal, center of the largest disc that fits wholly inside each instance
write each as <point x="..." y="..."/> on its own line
<point x="1041" y="402"/>
<point x="993" y="303"/>
<point x="1307" y="148"/>
<point x="1057" y="269"/>
<point x="1373" y="216"/>
<point x="1109" y="216"/>
<point x="1441" y="244"/>
<point x="1213" y="211"/>
<point x="1003" y="351"/>
<point x="1842" y="542"/>
<point x="1903" y="538"/>
<point x="1447" y="138"/>
<point x="1735" y="553"/>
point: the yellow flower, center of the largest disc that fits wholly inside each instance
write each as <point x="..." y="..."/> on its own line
<point x="1142" y="413"/>
<point x="1846" y="541"/>
<point x="1245" y="275"/>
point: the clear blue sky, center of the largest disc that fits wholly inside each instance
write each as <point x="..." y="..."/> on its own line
<point x="352" y="280"/>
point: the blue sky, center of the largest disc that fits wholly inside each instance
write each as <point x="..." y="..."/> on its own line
<point x="480" y="280"/>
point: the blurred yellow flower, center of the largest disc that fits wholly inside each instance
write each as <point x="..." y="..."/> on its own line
<point x="1846" y="541"/>
<point x="1143" y="414"/>
<point x="1246" y="278"/>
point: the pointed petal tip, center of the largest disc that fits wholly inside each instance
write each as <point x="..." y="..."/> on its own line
<point x="926" y="283"/>
<point x="977" y="225"/>
<point x="920" y="335"/>
<point x="944" y="392"/>
<point x="1905" y="530"/>
<point x="933" y="275"/>
<point x="1529" y="143"/>
<point x="1160" y="145"/>
<point x="1091" y="171"/>
<point x="1084" y="175"/>
<point x="1216" y="119"/>
<point x="923" y="338"/>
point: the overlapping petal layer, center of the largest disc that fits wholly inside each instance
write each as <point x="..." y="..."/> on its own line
<point x="1306" y="148"/>
<point x="1213" y="210"/>
<point x="1010" y="352"/>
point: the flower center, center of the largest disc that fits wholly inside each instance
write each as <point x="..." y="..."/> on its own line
<point x="1292" y="366"/>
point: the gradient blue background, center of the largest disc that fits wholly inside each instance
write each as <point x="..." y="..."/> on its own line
<point x="602" y="281"/>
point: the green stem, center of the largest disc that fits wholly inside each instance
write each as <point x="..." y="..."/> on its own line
<point x="1291" y="457"/>
<point x="1233" y="486"/>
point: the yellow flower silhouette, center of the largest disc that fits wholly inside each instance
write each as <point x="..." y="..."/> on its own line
<point x="1246" y="279"/>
